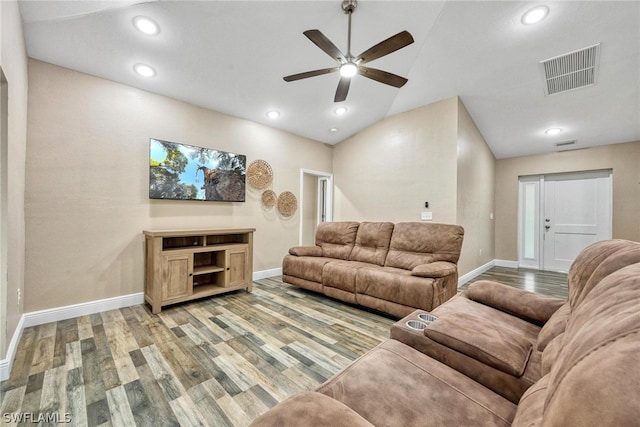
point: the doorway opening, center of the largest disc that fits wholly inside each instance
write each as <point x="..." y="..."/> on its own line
<point x="316" y="197"/>
<point x="561" y="214"/>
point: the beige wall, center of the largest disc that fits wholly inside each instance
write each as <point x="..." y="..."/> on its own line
<point x="387" y="171"/>
<point x="475" y="191"/>
<point x="13" y="60"/>
<point x="433" y="153"/>
<point x="87" y="183"/>
<point x="623" y="159"/>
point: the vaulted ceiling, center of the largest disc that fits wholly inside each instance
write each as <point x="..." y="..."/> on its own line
<point x="230" y="56"/>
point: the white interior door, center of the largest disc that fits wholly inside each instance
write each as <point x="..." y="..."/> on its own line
<point x="576" y="213"/>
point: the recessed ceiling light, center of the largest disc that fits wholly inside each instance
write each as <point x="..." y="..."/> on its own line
<point x="146" y="25"/>
<point x="340" y="110"/>
<point x="535" y="15"/>
<point x="144" y="70"/>
<point x="553" y="131"/>
<point x="333" y="130"/>
<point x="273" y="114"/>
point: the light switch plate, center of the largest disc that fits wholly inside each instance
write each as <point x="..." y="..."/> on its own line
<point x="426" y="216"/>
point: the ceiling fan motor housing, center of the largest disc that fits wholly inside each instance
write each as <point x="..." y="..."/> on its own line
<point x="349" y="5"/>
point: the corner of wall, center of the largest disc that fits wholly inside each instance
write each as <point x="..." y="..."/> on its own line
<point x="475" y="192"/>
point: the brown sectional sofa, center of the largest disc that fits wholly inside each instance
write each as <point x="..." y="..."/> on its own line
<point x="394" y="268"/>
<point x="581" y="358"/>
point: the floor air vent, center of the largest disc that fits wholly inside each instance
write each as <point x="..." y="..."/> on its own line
<point x="572" y="70"/>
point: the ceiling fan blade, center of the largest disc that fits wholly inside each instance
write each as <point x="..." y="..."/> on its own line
<point x="308" y="74"/>
<point x="325" y="44"/>
<point x="385" y="47"/>
<point x="382" y="76"/>
<point x="343" y="89"/>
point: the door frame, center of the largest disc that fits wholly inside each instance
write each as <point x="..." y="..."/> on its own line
<point x="540" y="179"/>
<point x="328" y="214"/>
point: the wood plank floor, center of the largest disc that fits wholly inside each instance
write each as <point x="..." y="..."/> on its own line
<point x="543" y="282"/>
<point x="215" y="362"/>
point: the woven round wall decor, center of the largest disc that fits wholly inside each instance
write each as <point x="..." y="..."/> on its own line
<point x="287" y="204"/>
<point x="269" y="199"/>
<point x="259" y="174"/>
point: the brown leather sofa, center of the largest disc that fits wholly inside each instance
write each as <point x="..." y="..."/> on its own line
<point x="587" y="352"/>
<point x="394" y="268"/>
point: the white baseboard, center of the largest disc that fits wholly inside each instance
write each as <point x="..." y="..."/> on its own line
<point x="264" y="274"/>
<point x="41" y="317"/>
<point x="506" y="263"/>
<point x="475" y="273"/>
<point x="5" y="364"/>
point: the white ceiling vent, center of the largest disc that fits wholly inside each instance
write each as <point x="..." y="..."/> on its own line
<point x="565" y="143"/>
<point x="572" y="70"/>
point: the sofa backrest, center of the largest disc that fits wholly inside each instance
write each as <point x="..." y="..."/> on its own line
<point x="596" y="377"/>
<point x="593" y="378"/>
<point x="336" y="238"/>
<point x="587" y="261"/>
<point x="622" y="253"/>
<point x="372" y="242"/>
<point x="415" y="243"/>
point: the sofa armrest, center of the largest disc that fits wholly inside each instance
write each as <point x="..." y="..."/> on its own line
<point x="306" y="251"/>
<point x="434" y="269"/>
<point x="526" y="305"/>
<point x="311" y="409"/>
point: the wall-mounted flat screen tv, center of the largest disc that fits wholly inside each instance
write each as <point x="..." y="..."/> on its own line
<point x="184" y="172"/>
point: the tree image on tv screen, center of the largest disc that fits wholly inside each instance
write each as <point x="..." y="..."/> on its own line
<point x="179" y="171"/>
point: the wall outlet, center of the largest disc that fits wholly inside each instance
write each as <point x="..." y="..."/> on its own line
<point x="19" y="294"/>
<point x="480" y="252"/>
<point x="426" y="216"/>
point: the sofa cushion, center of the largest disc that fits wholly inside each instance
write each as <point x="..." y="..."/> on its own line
<point x="308" y="268"/>
<point x="415" y="243"/>
<point x="336" y="238"/>
<point x="313" y="410"/>
<point x="556" y="325"/>
<point x="395" y="285"/>
<point x="342" y="274"/>
<point x="372" y="242"/>
<point x="395" y="385"/>
<point x="487" y="340"/>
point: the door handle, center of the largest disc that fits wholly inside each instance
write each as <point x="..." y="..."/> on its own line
<point x="547" y="220"/>
<point x="547" y="227"/>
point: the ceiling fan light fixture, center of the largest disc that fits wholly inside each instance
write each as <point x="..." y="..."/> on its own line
<point x="535" y="15"/>
<point x="348" y="70"/>
<point x="146" y="25"/>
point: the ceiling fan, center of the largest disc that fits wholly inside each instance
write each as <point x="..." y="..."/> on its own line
<point x="348" y="65"/>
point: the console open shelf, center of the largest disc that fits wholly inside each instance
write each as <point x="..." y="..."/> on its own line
<point x="182" y="265"/>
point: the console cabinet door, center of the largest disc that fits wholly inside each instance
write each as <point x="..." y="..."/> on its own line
<point x="177" y="276"/>
<point x="237" y="264"/>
